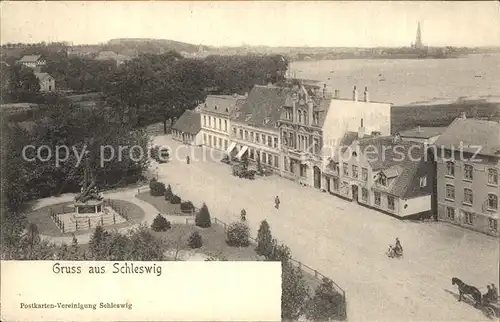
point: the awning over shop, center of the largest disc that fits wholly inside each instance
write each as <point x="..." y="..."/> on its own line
<point x="231" y="147"/>
<point x="242" y="152"/>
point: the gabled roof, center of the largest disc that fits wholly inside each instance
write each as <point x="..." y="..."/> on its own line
<point x="423" y="132"/>
<point x="221" y="104"/>
<point x="264" y="104"/>
<point x="189" y="122"/>
<point x="472" y="133"/>
<point x="42" y="76"/>
<point x="30" y="58"/>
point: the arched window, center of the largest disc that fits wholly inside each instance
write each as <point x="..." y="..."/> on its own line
<point x="450" y="169"/>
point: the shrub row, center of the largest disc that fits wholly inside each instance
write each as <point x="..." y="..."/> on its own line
<point x="158" y="189"/>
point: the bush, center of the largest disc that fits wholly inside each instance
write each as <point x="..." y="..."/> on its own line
<point x="194" y="240"/>
<point x="175" y="199"/>
<point x="187" y="206"/>
<point x="238" y="234"/>
<point x="203" y="217"/>
<point x="264" y="240"/>
<point x="157" y="188"/>
<point x="168" y="193"/>
<point x="325" y="304"/>
<point x="279" y="253"/>
<point x="160" y="223"/>
<point x="152" y="182"/>
<point x="294" y="292"/>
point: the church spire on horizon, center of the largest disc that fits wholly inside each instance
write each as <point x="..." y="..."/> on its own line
<point x="418" y="40"/>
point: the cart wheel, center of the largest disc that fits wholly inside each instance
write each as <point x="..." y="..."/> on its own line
<point x="490" y="312"/>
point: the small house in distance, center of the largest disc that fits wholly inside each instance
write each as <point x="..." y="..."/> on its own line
<point x="47" y="82"/>
<point x="37" y="62"/>
<point x="187" y="129"/>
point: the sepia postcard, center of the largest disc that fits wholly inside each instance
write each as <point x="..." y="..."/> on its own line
<point x="250" y="160"/>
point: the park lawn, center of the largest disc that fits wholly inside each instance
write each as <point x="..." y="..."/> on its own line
<point x="214" y="242"/>
<point x="163" y="206"/>
<point x="46" y="225"/>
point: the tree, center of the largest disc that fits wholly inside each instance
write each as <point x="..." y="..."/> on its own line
<point x="294" y="292"/>
<point x="264" y="240"/>
<point x="279" y="252"/>
<point x="325" y="304"/>
<point x="202" y="218"/>
<point x="160" y="223"/>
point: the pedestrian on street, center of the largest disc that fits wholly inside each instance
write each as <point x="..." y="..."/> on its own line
<point x="243" y="215"/>
<point x="187" y="159"/>
<point x="277" y="202"/>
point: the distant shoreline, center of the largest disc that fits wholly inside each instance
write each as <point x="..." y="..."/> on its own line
<point x="388" y="57"/>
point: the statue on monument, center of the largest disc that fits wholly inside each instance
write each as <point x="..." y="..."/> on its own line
<point x="88" y="190"/>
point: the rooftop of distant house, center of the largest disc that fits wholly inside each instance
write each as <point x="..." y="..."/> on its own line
<point x="468" y="135"/>
<point x="30" y="58"/>
<point x="42" y="76"/>
<point x="189" y="122"/>
<point x="460" y="100"/>
<point x="423" y="132"/>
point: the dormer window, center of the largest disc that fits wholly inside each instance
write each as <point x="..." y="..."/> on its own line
<point x="382" y="180"/>
<point x="215" y="107"/>
<point x="248" y="117"/>
<point x="266" y="120"/>
<point x="227" y="109"/>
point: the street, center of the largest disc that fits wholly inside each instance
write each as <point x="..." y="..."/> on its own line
<point x="347" y="242"/>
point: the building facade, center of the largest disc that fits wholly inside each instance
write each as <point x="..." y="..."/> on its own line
<point x="254" y="127"/>
<point x="187" y="129"/>
<point x="36" y="62"/>
<point x="215" y="115"/>
<point x="47" y="82"/>
<point x="468" y="166"/>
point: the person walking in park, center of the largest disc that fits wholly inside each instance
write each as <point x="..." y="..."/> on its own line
<point x="187" y="159"/>
<point x="243" y="215"/>
<point x="277" y="202"/>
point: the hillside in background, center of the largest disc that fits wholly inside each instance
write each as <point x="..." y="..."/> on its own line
<point x="126" y="46"/>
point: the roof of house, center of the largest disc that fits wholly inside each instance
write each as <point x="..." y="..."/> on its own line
<point x="221" y="104"/>
<point x="263" y="106"/>
<point x="401" y="159"/>
<point x="42" y="76"/>
<point x="110" y="55"/>
<point x="189" y="122"/>
<point x="469" y="134"/>
<point x="30" y="58"/>
<point x="423" y="132"/>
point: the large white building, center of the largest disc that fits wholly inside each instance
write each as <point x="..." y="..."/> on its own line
<point x="215" y="115"/>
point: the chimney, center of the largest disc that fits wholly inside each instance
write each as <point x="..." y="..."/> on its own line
<point x="367" y="99"/>
<point x="361" y="130"/>
<point x="355" y="94"/>
<point x="324" y="90"/>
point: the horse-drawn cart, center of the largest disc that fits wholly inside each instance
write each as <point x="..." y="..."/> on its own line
<point x="491" y="309"/>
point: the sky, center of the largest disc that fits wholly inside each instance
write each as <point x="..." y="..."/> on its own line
<point x="321" y="24"/>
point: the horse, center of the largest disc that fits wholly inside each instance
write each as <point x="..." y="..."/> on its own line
<point x="467" y="289"/>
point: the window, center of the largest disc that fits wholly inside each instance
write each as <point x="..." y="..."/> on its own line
<point x="263" y="139"/>
<point x="468" y="196"/>
<point x="364" y="194"/>
<point x="493" y="223"/>
<point x="376" y="194"/>
<point x="300" y="116"/>
<point x="205" y="139"/>
<point x="303" y="170"/>
<point x="241" y="133"/>
<point x="346" y="168"/>
<point x="354" y="171"/>
<point x="492" y="201"/>
<point x="204" y="120"/>
<point x="450" y="213"/>
<point x="275" y="143"/>
<point x="450" y="169"/>
<point x="447" y="154"/>
<point x="468" y="171"/>
<point x="220" y="143"/>
<point x="423" y="181"/>
<point x="270" y="159"/>
<point x="251" y="154"/>
<point x="390" y="202"/>
<point x="317" y="148"/>
<point x="210" y="141"/>
<point x="225" y="125"/>
<point x="276" y="161"/>
<point x="234" y="131"/>
<point x="264" y="157"/>
<point x="257" y="137"/>
<point x="285" y="163"/>
<point x="291" y="141"/>
<point x="251" y="136"/>
<point x="210" y="121"/>
<point x="382" y="180"/>
<point x="225" y="144"/>
<point x="469" y="218"/>
<point x="493" y="176"/>
<point x="364" y="174"/>
<point x="450" y="192"/>
<point x="269" y="141"/>
<point x="220" y="124"/>
<point x="246" y="135"/>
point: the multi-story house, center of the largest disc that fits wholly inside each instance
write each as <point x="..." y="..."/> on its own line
<point x="254" y="126"/>
<point x="215" y="115"/>
<point x="47" y="82"/>
<point x="36" y="62"/>
<point x="468" y="166"/>
<point x="187" y="128"/>
<point x="384" y="173"/>
<point x="313" y="125"/>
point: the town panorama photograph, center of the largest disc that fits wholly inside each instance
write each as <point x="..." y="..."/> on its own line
<point x="357" y="143"/>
